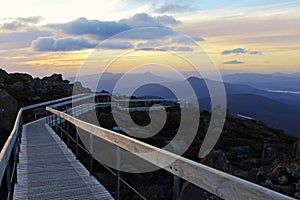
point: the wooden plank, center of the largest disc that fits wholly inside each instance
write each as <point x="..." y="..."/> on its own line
<point x="49" y="170"/>
<point x="8" y="146"/>
<point x="214" y="181"/>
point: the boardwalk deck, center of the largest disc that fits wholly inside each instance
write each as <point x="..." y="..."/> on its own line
<point x="49" y="170"/>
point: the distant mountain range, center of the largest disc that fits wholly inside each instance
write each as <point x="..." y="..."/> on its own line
<point x="276" y="81"/>
<point x="247" y="94"/>
<point x="274" y="113"/>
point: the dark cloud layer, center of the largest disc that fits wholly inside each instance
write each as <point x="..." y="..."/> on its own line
<point x="115" y="45"/>
<point x="64" y="44"/>
<point x="21" y="22"/>
<point x="103" y="29"/>
<point x="99" y="29"/>
<point x="145" y="20"/>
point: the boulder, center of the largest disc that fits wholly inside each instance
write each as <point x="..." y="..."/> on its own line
<point x="297" y="195"/>
<point x="217" y="159"/>
<point x="294" y="170"/>
<point x="3" y="74"/>
<point x="298" y="186"/>
<point x="283" y="180"/>
<point x="279" y="171"/>
<point x="250" y="163"/>
<point x="53" y="78"/>
<point x="18" y="86"/>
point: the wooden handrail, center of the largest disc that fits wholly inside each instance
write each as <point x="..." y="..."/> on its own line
<point x="214" y="181"/>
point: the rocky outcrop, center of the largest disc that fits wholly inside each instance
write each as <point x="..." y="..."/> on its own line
<point x="28" y="90"/>
<point x="19" y="89"/>
<point x="218" y="160"/>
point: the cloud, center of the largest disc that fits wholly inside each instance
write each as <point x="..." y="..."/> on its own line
<point x="167" y="20"/>
<point x="63" y="44"/>
<point x="144" y="20"/>
<point x="187" y="40"/>
<point x="199" y="39"/>
<point x="176" y="48"/>
<point x="255" y="52"/>
<point x="104" y="29"/>
<point x="21" y="39"/>
<point x="234" y="51"/>
<point x="233" y="62"/>
<point x="115" y="45"/>
<point x="240" y="51"/>
<point x="97" y="28"/>
<point x="21" y="22"/>
<point x="173" y="8"/>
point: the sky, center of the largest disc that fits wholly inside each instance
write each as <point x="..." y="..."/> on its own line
<point x="42" y="37"/>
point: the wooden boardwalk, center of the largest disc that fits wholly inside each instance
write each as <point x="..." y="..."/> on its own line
<point x="49" y="170"/>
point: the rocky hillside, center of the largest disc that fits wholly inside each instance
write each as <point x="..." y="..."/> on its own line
<point x="18" y="90"/>
<point x="248" y="149"/>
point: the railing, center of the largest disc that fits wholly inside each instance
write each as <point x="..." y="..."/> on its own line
<point x="62" y="128"/>
<point x="9" y="154"/>
<point x="214" y="181"/>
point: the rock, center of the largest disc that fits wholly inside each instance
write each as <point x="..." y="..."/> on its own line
<point x="18" y="86"/>
<point x="263" y="174"/>
<point x="78" y="88"/>
<point x="15" y="77"/>
<point x="41" y="91"/>
<point x="190" y="192"/>
<point x="53" y="78"/>
<point x="287" y="190"/>
<point x="279" y="171"/>
<point x="294" y="170"/>
<point x="156" y="192"/>
<point x="297" y="195"/>
<point x="250" y="163"/>
<point x="241" y="174"/>
<point x="298" y="186"/>
<point x="3" y="74"/>
<point x="241" y="149"/>
<point x="218" y="160"/>
<point x="252" y="174"/>
<point x="283" y="180"/>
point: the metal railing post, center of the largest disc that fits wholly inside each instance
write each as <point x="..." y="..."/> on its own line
<point x="76" y="131"/>
<point x="91" y="154"/>
<point x="176" y="188"/>
<point x="46" y="117"/>
<point x="118" y="172"/>
<point x="68" y="132"/>
<point x="54" y="122"/>
<point x="60" y="127"/>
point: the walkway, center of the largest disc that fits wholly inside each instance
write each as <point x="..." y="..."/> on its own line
<point x="49" y="170"/>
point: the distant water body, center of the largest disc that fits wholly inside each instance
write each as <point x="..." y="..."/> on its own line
<point x="284" y="91"/>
